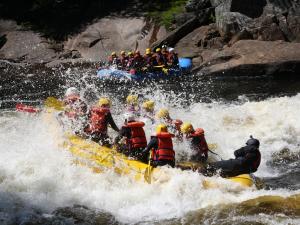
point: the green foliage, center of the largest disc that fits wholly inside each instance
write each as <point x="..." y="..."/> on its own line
<point x="165" y="11"/>
<point x="212" y="18"/>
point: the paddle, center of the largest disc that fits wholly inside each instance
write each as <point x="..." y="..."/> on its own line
<point x="215" y="154"/>
<point x="148" y="171"/>
<point x="53" y="102"/>
<point x="26" y="108"/>
<point x="213" y="147"/>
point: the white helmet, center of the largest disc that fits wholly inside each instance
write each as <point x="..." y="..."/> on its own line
<point x="171" y="49"/>
<point x="72" y="91"/>
<point x="129" y="117"/>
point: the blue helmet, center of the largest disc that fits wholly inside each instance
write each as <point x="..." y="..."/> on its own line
<point x="253" y="142"/>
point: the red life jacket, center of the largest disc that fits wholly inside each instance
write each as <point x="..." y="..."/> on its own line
<point x="165" y="149"/>
<point x="138" y="137"/>
<point x="97" y="120"/>
<point x="203" y="147"/>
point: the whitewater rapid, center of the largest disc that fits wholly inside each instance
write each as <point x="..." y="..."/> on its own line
<point x="36" y="172"/>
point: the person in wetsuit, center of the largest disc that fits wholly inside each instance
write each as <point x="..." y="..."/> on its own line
<point x="247" y="160"/>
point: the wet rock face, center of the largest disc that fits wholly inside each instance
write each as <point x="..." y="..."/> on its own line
<point x="205" y="37"/>
<point x="253" y="58"/>
<point x="106" y="35"/>
<point x="233" y="16"/>
<point x="28" y="46"/>
<point x="78" y="214"/>
<point x="196" y="5"/>
<point x="230" y="23"/>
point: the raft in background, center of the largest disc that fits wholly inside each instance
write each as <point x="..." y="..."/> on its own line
<point x="185" y="65"/>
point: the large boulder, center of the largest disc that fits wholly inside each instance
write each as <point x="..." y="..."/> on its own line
<point x="109" y="34"/>
<point x="172" y="38"/>
<point x="287" y="13"/>
<point x="204" y="37"/>
<point x="250" y="8"/>
<point x="26" y="46"/>
<point x="232" y="16"/>
<point x="230" y="23"/>
<point x="20" y="45"/>
<point x="254" y="58"/>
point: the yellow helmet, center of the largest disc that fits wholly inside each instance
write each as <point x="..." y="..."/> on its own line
<point x="158" y="50"/>
<point x="132" y="99"/>
<point x="123" y="53"/>
<point x="104" y="102"/>
<point x="149" y="105"/>
<point x="161" y="128"/>
<point x="186" y="128"/>
<point x="163" y="113"/>
<point x="113" y="53"/>
<point x="148" y="51"/>
<point x="130" y="53"/>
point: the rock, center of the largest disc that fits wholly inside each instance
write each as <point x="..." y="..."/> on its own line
<point x="294" y="28"/>
<point x="215" y="3"/>
<point x="70" y="54"/>
<point x="109" y="34"/>
<point x="22" y="45"/>
<point x="249" y="8"/>
<point x="196" y="5"/>
<point x="287" y="13"/>
<point x="82" y="215"/>
<point x="205" y="37"/>
<point x="254" y="58"/>
<point x="232" y="16"/>
<point x="173" y="37"/>
<point x="3" y="40"/>
<point x="242" y="35"/>
<point x="230" y="23"/>
<point x="26" y="46"/>
<point x="182" y="18"/>
<point x="271" y="33"/>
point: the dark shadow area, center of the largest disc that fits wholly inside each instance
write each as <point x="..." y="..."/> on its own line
<point x="251" y="8"/>
<point x="58" y="18"/>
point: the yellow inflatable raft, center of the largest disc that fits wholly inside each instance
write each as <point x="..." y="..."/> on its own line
<point x="99" y="158"/>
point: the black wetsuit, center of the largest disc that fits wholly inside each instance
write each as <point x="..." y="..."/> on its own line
<point x="197" y="155"/>
<point x="247" y="161"/>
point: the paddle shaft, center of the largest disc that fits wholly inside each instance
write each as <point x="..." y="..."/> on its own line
<point x="215" y="154"/>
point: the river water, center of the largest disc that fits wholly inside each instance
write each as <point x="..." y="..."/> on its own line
<point x="39" y="184"/>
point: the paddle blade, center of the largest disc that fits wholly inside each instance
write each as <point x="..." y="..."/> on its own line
<point x="26" y="108"/>
<point x="148" y="174"/>
<point x="212" y="146"/>
<point x="54" y="103"/>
